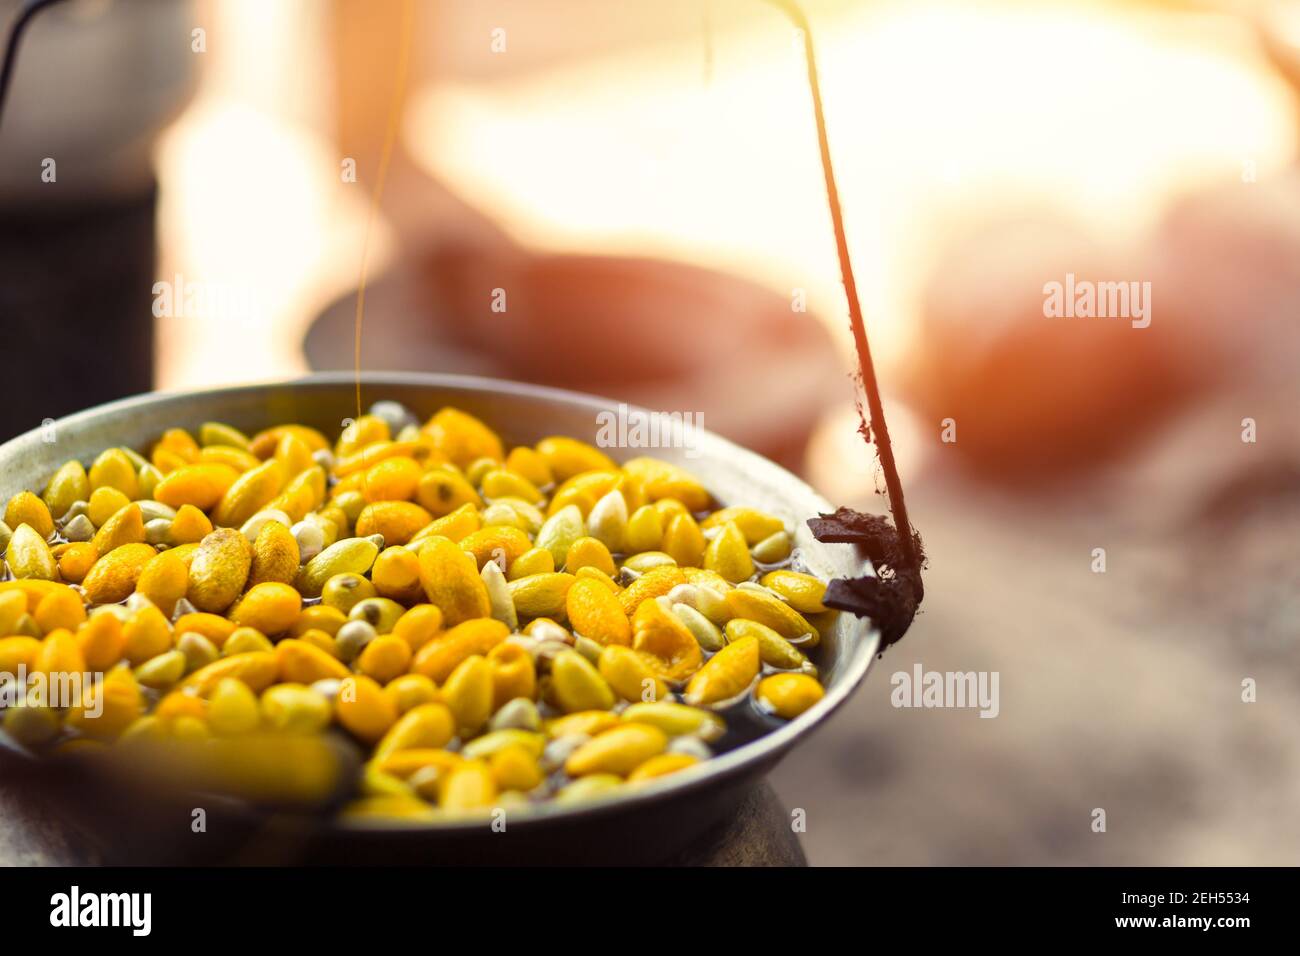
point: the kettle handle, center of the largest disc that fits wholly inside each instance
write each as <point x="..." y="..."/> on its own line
<point x="25" y="15"/>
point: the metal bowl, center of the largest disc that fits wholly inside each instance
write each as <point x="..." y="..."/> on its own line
<point x="652" y="822"/>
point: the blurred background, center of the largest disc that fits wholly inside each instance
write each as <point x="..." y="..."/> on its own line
<point x="642" y="180"/>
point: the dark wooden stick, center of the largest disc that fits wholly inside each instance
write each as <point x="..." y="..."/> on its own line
<point x="878" y="428"/>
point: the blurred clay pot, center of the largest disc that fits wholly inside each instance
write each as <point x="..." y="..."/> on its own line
<point x="667" y="336"/>
<point x="1035" y="396"/>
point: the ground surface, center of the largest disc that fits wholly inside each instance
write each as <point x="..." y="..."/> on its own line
<point x="1120" y="691"/>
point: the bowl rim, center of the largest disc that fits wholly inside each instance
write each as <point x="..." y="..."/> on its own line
<point x="760" y="752"/>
